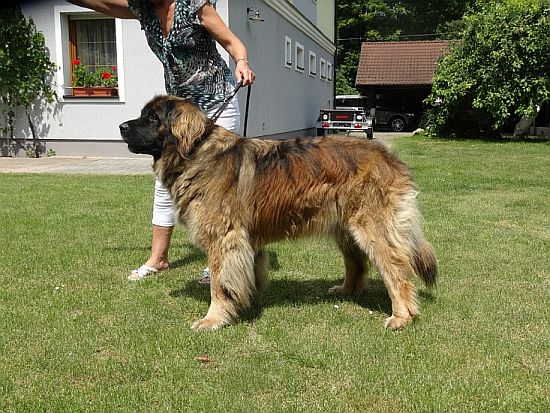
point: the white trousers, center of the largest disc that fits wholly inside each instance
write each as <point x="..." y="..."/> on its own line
<point x="163" y="208"/>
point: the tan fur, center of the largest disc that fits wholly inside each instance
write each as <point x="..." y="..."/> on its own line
<point x="236" y="195"/>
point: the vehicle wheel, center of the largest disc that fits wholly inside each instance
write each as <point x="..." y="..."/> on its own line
<point x="321" y="132"/>
<point x="370" y="135"/>
<point x="397" y="124"/>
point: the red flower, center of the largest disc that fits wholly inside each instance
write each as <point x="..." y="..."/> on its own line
<point x="106" y="75"/>
<point x="113" y="68"/>
<point x="76" y="62"/>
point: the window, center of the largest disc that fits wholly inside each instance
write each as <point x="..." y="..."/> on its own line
<point x="329" y="71"/>
<point x="350" y="101"/>
<point x="95" y="42"/>
<point x="323" y="68"/>
<point x="92" y="47"/>
<point x="300" y="63"/>
<point x="288" y="52"/>
<point x="312" y="64"/>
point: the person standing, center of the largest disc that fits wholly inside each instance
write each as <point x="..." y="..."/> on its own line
<point x="183" y="35"/>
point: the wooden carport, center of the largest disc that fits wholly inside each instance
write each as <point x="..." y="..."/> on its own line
<point x="398" y="74"/>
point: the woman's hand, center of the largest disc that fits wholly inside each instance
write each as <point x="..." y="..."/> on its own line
<point x="243" y="72"/>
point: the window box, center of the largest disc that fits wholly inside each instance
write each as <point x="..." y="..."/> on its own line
<point x="95" y="91"/>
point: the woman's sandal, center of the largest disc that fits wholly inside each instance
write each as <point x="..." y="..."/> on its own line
<point x="205" y="278"/>
<point x="142" y="272"/>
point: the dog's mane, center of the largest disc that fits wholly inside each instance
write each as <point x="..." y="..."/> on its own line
<point x="198" y="139"/>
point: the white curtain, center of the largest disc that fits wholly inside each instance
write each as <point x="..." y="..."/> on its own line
<point x="96" y="42"/>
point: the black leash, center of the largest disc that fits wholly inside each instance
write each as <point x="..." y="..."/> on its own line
<point x="246" y="109"/>
<point x="228" y="99"/>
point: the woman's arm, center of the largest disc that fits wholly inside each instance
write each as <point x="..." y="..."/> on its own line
<point x="213" y="23"/>
<point x="113" y="8"/>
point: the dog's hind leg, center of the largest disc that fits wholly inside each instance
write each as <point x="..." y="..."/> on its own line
<point x="356" y="266"/>
<point x="260" y="263"/>
<point x="232" y="280"/>
<point x="394" y="265"/>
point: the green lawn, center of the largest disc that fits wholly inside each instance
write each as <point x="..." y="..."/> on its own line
<point x="76" y="336"/>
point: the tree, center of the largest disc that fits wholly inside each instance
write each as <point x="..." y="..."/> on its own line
<point x="25" y="68"/>
<point x="358" y="21"/>
<point x="434" y="18"/>
<point x="499" y="71"/>
<point x="389" y="20"/>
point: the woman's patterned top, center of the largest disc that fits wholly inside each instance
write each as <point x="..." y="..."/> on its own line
<point x="193" y="67"/>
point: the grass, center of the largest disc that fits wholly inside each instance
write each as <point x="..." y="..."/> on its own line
<point x="75" y="335"/>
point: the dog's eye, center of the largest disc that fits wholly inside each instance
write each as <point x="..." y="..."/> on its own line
<point x="152" y="117"/>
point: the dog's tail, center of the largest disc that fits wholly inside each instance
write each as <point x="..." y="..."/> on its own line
<point x="424" y="262"/>
<point x="421" y="254"/>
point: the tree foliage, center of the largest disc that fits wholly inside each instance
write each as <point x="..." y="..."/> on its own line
<point x="438" y="18"/>
<point x="357" y="21"/>
<point x="499" y="71"/>
<point x="25" y="67"/>
<point x="389" y="20"/>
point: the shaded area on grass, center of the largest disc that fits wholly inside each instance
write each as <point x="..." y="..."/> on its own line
<point x="288" y="292"/>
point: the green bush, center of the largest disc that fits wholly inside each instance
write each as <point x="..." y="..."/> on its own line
<point x="26" y="71"/>
<point x="497" y="73"/>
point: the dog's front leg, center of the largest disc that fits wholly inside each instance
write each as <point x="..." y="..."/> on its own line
<point x="220" y="313"/>
<point x="232" y="281"/>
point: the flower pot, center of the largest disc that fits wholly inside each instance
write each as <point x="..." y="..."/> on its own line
<point x="95" y="91"/>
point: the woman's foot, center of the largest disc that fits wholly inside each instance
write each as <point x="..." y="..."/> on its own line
<point x="145" y="270"/>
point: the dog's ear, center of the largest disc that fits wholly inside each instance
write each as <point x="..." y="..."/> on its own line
<point x="188" y="124"/>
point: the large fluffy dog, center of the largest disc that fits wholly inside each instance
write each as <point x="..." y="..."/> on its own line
<point x="235" y="195"/>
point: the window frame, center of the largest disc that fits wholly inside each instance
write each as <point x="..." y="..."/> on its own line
<point x="323" y="68"/>
<point x="288" y="52"/>
<point x="65" y="54"/>
<point x="312" y="64"/>
<point x="299" y="53"/>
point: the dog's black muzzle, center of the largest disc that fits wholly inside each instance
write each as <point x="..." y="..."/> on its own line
<point x="124" y="131"/>
<point x="128" y="137"/>
<point x="133" y="135"/>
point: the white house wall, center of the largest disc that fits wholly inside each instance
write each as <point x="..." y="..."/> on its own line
<point x="307" y="7"/>
<point x="326" y="11"/>
<point x="283" y="102"/>
<point x="96" y="120"/>
<point x="87" y="126"/>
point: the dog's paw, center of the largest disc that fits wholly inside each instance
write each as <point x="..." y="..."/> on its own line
<point x="396" y="323"/>
<point x="208" y="324"/>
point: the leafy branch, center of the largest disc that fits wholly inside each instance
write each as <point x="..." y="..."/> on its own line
<point x="25" y="69"/>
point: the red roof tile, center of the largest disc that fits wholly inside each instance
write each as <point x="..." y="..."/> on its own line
<point x="399" y="63"/>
